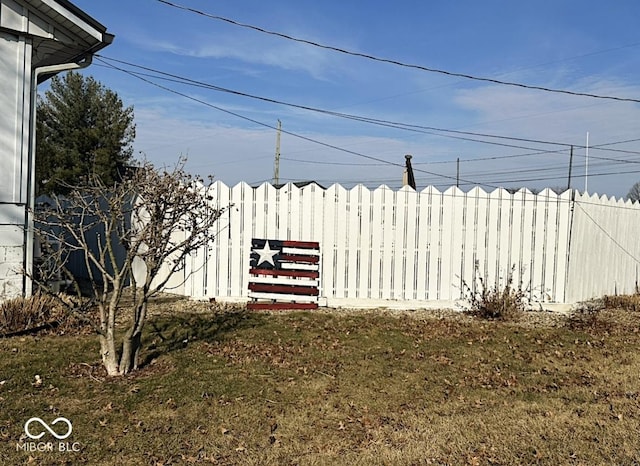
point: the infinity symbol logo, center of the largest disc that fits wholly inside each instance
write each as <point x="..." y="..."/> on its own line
<point x="46" y="426"/>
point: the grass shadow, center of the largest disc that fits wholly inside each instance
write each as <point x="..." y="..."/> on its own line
<point x="165" y="334"/>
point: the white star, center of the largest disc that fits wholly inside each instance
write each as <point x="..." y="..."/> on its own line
<point x="266" y="254"/>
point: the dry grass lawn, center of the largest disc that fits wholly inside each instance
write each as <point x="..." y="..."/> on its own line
<point x="336" y="388"/>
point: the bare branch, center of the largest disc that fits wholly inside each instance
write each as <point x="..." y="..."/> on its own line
<point x="148" y="223"/>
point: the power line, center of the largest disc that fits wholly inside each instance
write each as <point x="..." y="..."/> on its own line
<point x="376" y="159"/>
<point x="299" y="136"/>
<point x="494" y="157"/>
<point x="395" y="62"/>
<point x="322" y="162"/>
<point x="387" y="123"/>
<point x="491" y="182"/>
<point x="615" y="144"/>
<point x="397" y="125"/>
<point x="476" y="173"/>
<point x="562" y="177"/>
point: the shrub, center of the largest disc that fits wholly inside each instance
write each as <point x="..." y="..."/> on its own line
<point x="607" y="315"/>
<point x="495" y="302"/>
<point x="625" y="302"/>
<point x="38" y="312"/>
<point x="23" y="313"/>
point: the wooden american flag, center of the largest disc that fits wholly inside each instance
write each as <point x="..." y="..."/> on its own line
<point x="284" y="274"/>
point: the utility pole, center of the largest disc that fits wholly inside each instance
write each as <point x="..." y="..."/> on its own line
<point x="276" y="165"/>
<point x="586" y="169"/>
<point x="458" y="172"/>
<point x="570" y="165"/>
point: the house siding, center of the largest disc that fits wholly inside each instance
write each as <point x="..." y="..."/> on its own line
<point x="15" y="69"/>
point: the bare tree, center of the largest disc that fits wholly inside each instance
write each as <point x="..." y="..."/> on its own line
<point x="145" y="225"/>
<point x="634" y="193"/>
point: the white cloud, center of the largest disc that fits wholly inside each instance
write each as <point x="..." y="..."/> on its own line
<point x="551" y="116"/>
<point x="234" y="154"/>
<point x="567" y="119"/>
<point x="220" y="145"/>
<point x="254" y="50"/>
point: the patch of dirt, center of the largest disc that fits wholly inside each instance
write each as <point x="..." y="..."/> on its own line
<point x="527" y="319"/>
<point x="97" y="372"/>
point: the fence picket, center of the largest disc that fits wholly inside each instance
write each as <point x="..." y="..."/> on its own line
<point x="469" y="240"/>
<point x="447" y="253"/>
<point x="342" y="244"/>
<point x="329" y="242"/>
<point x="435" y="243"/>
<point x="353" y="234"/>
<point x="411" y="248"/>
<point x="388" y="244"/>
<point x="399" y="242"/>
<point x="364" y="243"/>
<point x="423" y="237"/>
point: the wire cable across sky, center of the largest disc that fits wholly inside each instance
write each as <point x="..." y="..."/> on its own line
<point x="442" y="132"/>
<point x="491" y="182"/>
<point x="397" y="62"/>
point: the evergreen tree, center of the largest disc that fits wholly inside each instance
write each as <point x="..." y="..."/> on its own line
<point x="83" y="129"/>
<point x="634" y="192"/>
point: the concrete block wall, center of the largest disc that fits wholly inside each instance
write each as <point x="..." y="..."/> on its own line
<point x="11" y="261"/>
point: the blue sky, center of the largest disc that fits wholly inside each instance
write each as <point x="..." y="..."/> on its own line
<point x="585" y="47"/>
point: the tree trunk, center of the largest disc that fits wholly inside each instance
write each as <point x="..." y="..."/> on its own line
<point x="130" y="350"/>
<point x="132" y="341"/>
<point x="109" y="354"/>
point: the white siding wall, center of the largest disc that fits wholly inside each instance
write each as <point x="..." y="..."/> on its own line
<point x="63" y="35"/>
<point x="15" y="70"/>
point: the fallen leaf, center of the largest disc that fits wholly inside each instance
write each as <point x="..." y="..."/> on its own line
<point x="201" y="430"/>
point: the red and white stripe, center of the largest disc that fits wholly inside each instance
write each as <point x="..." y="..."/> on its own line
<point x="284" y="274"/>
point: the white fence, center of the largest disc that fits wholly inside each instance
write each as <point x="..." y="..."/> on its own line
<point x="420" y="248"/>
<point x="605" y="248"/>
